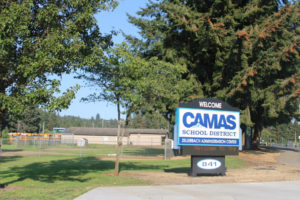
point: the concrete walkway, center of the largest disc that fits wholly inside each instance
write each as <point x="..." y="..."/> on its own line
<point x="235" y="191"/>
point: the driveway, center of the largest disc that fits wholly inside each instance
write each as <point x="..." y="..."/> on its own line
<point x="235" y="191"/>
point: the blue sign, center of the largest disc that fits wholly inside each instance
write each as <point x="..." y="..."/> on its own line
<point x="204" y="127"/>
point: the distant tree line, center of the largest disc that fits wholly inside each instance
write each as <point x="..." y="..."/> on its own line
<point x="281" y="133"/>
<point x="35" y="120"/>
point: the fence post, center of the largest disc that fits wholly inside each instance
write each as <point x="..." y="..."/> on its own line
<point x="165" y="157"/>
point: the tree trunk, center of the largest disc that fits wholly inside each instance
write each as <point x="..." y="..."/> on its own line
<point x="277" y="134"/>
<point x="1" y="127"/>
<point x="119" y="145"/>
<point x="120" y="139"/>
<point x="117" y="163"/>
<point x="256" y="135"/>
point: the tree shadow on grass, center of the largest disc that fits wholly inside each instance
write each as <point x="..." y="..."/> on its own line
<point x="179" y="170"/>
<point x="143" y="151"/>
<point x="4" y="159"/>
<point x="134" y="166"/>
<point x="66" y="170"/>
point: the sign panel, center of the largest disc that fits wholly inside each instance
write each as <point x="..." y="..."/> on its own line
<point x="204" y="127"/>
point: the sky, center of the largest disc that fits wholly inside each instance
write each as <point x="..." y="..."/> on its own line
<point x="107" y="21"/>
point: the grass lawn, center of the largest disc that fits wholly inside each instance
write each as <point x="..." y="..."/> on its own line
<point x="68" y="176"/>
<point x="90" y="150"/>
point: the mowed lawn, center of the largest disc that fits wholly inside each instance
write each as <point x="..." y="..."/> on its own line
<point x="68" y="176"/>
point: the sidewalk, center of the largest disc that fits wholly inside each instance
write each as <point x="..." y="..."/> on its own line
<point x="236" y="191"/>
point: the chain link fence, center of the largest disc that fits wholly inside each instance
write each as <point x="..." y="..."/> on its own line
<point x="286" y="144"/>
<point x="80" y="147"/>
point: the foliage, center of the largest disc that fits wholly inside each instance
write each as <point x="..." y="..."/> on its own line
<point x="50" y="120"/>
<point x="42" y="40"/>
<point x="5" y="132"/>
<point x="155" y="120"/>
<point x="282" y="132"/>
<point x="28" y="122"/>
<point x="137" y="84"/>
<point x="244" y="52"/>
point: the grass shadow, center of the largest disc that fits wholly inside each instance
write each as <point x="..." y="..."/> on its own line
<point x="135" y="167"/>
<point x="4" y="159"/>
<point x="143" y="152"/>
<point x="67" y="169"/>
<point x="179" y="170"/>
<point x="11" y="150"/>
<point x="55" y="170"/>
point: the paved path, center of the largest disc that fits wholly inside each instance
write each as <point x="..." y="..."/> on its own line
<point x="291" y="158"/>
<point x="288" y="156"/>
<point x="235" y="191"/>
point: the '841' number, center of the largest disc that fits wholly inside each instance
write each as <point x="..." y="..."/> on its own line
<point x="209" y="164"/>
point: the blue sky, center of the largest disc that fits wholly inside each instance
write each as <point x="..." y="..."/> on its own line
<point x="107" y="21"/>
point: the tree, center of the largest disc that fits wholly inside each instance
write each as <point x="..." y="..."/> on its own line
<point x="98" y="120"/>
<point x="244" y="52"/>
<point x="282" y="133"/>
<point x="40" y="41"/>
<point x="135" y="84"/>
<point x="28" y="122"/>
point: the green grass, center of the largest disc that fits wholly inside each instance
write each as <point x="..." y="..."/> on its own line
<point x="52" y="177"/>
<point x="90" y="150"/>
<point x="68" y="176"/>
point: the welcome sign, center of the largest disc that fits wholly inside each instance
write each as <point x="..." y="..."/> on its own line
<point x="207" y="122"/>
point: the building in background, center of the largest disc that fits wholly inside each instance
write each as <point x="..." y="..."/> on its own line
<point x="145" y="137"/>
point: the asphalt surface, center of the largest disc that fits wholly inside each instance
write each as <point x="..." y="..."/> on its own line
<point x="234" y="191"/>
<point x="291" y="158"/>
<point x="288" y="155"/>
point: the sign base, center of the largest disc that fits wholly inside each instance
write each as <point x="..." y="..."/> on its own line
<point x="207" y="165"/>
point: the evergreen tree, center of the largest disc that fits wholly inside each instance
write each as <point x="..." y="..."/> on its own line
<point x="244" y="52"/>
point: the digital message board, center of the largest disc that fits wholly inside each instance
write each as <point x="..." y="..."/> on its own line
<point x="207" y="122"/>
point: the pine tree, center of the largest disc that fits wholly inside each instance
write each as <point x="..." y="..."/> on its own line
<point x="244" y="52"/>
